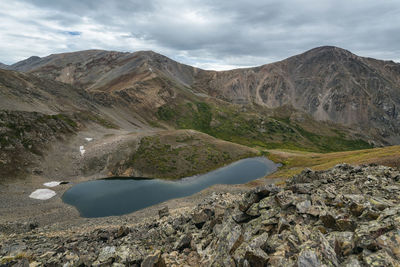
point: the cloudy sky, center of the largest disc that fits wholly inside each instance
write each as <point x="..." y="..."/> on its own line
<point x="205" y="33"/>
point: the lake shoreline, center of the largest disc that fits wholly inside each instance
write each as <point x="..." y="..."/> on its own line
<point x="116" y="197"/>
<point x="18" y="211"/>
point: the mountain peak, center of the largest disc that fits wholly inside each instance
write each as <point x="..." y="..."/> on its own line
<point x="25" y="64"/>
<point x="33" y="58"/>
<point x="332" y="50"/>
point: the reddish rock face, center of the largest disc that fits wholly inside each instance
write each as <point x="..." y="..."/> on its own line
<point x="327" y="82"/>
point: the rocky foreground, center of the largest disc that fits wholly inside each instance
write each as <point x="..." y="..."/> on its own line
<point x="345" y="216"/>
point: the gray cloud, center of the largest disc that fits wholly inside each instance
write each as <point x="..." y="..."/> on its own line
<point x="205" y="33"/>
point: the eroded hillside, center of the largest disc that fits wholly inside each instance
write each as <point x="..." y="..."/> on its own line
<point x="328" y="83"/>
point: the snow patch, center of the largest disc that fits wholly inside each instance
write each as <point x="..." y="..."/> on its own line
<point x="82" y="150"/>
<point x="89" y="139"/>
<point x="42" y="194"/>
<point x="52" y="184"/>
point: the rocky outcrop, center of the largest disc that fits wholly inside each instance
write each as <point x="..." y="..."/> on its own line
<point x="326" y="82"/>
<point x="24" y="136"/>
<point x="345" y="216"/>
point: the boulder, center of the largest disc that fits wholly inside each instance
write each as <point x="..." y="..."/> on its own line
<point x="390" y="242"/>
<point x="183" y="242"/>
<point x="304" y="206"/>
<point x="122" y="231"/>
<point x="153" y="260"/>
<point x="308" y="258"/>
<point x="164" y="212"/>
<point x="366" y="234"/>
<point x="249" y="199"/>
<point x="253" y="210"/>
<point x="266" y="190"/>
<point x="200" y="217"/>
<point x="285" y="199"/>
<point x="305" y="188"/>
<point x="241" y="217"/>
<point x="107" y="254"/>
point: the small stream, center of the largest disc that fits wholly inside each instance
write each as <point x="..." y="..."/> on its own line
<point x="118" y="196"/>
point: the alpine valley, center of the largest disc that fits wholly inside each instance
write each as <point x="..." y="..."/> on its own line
<point x="81" y="116"/>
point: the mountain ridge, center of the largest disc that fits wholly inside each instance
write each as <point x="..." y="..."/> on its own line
<point x="329" y="83"/>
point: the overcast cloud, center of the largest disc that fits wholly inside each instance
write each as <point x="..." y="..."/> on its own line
<point x="204" y="33"/>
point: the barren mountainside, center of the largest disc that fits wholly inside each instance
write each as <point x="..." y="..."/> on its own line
<point x="329" y="83"/>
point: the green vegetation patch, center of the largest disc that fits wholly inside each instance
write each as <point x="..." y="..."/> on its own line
<point x="183" y="155"/>
<point x="253" y="129"/>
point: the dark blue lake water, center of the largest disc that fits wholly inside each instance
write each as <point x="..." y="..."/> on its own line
<point x="119" y="196"/>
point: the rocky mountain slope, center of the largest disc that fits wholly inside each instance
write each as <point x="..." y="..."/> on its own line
<point x="329" y="83"/>
<point x="326" y="99"/>
<point x="26" y="92"/>
<point x="153" y="96"/>
<point x="345" y="216"/>
<point x="142" y="81"/>
<point x="24" y="137"/>
<point x="43" y="124"/>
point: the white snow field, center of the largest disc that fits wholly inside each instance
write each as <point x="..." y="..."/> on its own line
<point x="42" y="194"/>
<point x="52" y="184"/>
<point x="82" y="150"/>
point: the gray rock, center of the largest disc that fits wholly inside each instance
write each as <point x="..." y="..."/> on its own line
<point x="285" y="198"/>
<point x="106" y="254"/>
<point x="122" y="231"/>
<point x="352" y="262"/>
<point x="304" y="206"/>
<point x="266" y="190"/>
<point x="164" y="212"/>
<point x="153" y="260"/>
<point x="184" y="242"/>
<point x="366" y="234"/>
<point x="200" y="217"/>
<point x="253" y="210"/>
<point x="267" y="203"/>
<point x="308" y="258"/>
<point x="249" y="199"/>
<point x="241" y="217"/>
<point x="304" y="188"/>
